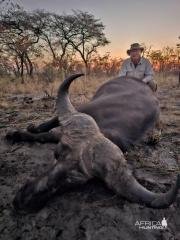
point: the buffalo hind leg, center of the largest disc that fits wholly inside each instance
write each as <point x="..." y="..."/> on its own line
<point x="23" y="136"/>
<point x="36" y="193"/>
<point x="44" y="127"/>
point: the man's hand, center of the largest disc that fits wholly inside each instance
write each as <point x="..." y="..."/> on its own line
<point x="151" y="84"/>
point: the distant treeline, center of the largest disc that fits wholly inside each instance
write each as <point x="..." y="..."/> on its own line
<point x="36" y="41"/>
<point x="27" y="36"/>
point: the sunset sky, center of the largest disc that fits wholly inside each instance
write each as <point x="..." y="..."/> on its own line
<point x="153" y="22"/>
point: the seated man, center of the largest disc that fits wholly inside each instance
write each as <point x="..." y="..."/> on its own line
<point x="138" y="66"/>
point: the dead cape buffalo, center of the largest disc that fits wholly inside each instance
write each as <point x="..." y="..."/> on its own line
<point x="123" y="108"/>
<point x="84" y="153"/>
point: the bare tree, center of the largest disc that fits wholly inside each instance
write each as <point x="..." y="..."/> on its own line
<point x="19" y="40"/>
<point x="50" y="27"/>
<point x="26" y="35"/>
<point x="84" y="33"/>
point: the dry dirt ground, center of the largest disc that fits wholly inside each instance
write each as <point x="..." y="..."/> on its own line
<point x="92" y="212"/>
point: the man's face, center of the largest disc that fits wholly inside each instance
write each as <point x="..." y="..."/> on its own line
<point x="135" y="55"/>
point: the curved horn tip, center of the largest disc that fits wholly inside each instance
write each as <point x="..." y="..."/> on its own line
<point x="63" y="102"/>
<point x="172" y="196"/>
<point x="78" y="74"/>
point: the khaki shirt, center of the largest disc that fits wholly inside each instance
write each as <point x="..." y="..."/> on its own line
<point x="142" y="71"/>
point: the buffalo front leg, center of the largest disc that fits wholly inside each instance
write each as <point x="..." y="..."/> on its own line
<point x="35" y="194"/>
<point x="23" y="136"/>
<point x="44" y="127"/>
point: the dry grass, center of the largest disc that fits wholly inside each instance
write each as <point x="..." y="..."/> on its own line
<point x="84" y="86"/>
<point x="166" y="79"/>
<point x="36" y="87"/>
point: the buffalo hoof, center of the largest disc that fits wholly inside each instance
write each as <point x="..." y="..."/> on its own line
<point x="13" y="136"/>
<point x="154" y="138"/>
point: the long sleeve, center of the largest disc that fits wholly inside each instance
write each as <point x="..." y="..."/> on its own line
<point x="123" y="70"/>
<point x="149" y="73"/>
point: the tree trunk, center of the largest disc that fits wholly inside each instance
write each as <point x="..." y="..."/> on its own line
<point x="31" y="68"/>
<point x="27" y="67"/>
<point x="50" y="46"/>
<point x="17" y="70"/>
<point x="22" y="68"/>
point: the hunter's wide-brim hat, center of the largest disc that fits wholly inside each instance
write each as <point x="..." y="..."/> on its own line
<point x="135" y="46"/>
